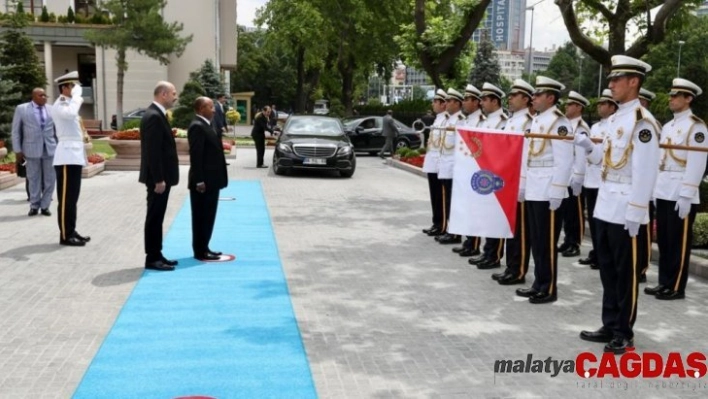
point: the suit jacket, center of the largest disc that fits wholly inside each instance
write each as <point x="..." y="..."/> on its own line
<point x="389" y="128"/>
<point x="260" y="125"/>
<point x="28" y="137"/>
<point x="158" y="151"/>
<point x="219" y="118"/>
<point x="206" y="157"/>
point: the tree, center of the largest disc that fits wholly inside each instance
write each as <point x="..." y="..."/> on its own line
<point x="563" y="67"/>
<point x="138" y="25"/>
<point x="209" y="78"/>
<point x="9" y="97"/>
<point x="614" y="24"/>
<point x="486" y="65"/>
<point x="182" y="115"/>
<point x="70" y="16"/>
<point x="18" y="55"/>
<point x="440" y="33"/>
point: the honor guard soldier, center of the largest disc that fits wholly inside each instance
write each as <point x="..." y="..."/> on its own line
<point x="676" y="192"/>
<point x="606" y="106"/>
<point x="69" y="157"/>
<point x="495" y="119"/>
<point x="518" y="248"/>
<point x="645" y="98"/>
<point x="447" y="160"/>
<point x="430" y="164"/>
<point x="630" y="159"/>
<point x="550" y="163"/>
<point x="572" y="207"/>
<point x="471" y="107"/>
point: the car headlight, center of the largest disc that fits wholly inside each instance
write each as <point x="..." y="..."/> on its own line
<point x="284" y="148"/>
<point x="344" y="150"/>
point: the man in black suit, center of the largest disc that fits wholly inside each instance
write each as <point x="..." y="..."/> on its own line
<point x="260" y="126"/>
<point x="159" y="170"/>
<point x="207" y="175"/>
<point x="220" y="124"/>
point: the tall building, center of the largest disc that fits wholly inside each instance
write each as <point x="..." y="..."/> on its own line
<point x="62" y="47"/>
<point x="702" y="10"/>
<point x="505" y="24"/>
<point x="511" y="64"/>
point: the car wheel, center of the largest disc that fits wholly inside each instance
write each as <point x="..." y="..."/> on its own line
<point x="277" y="169"/>
<point x="348" y="173"/>
<point x="402" y="143"/>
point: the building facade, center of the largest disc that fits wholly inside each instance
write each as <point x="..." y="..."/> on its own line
<point x="62" y="47"/>
<point x="511" y="64"/>
<point x="505" y="24"/>
<point x="702" y="10"/>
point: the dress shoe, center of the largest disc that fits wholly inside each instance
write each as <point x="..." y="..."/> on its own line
<point x="82" y="238"/>
<point x="450" y="239"/>
<point x="620" y="345"/>
<point x="159" y="266"/>
<point x="206" y="256"/>
<point x="469" y="252"/>
<point x="169" y="262"/>
<point x="594" y="266"/>
<point x="72" y="242"/>
<point x="587" y="261"/>
<point x="526" y="292"/>
<point x="436" y="232"/>
<point x="572" y="251"/>
<point x="601" y="335"/>
<point x="510" y="279"/>
<point x="457" y="250"/>
<point x="46" y="212"/>
<point x="542" y="297"/>
<point x="476" y="260"/>
<point x="669" y="295"/>
<point x="497" y="276"/>
<point x="216" y="253"/>
<point x="653" y="290"/>
<point x="563" y="247"/>
<point x="33" y="212"/>
<point x="428" y="230"/>
<point x="488" y="264"/>
<point x="642" y="278"/>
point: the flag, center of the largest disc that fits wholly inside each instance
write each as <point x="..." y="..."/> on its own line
<point x="485" y="185"/>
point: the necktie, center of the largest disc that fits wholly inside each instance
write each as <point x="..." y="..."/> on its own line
<point x="41" y="116"/>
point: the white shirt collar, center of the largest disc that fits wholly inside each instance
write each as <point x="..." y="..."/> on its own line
<point x="164" y="112"/>
<point x="208" y="122"/>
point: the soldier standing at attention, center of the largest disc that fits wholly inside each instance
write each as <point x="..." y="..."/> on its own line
<point x="676" y="192"/>
<point x="630" y="160"/>
<point x="430" y="164"/>
<point x="550" y="164"/>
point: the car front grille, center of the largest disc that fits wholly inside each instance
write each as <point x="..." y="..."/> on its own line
<point x="315" y="150"/>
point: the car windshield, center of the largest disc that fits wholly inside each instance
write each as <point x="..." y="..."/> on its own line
<point x="349" y="122"/>
<point x="304" y="125"/>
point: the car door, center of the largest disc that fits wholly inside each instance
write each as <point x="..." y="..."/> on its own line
<point x="377" y="139"/>
<point x="364" y="134"/>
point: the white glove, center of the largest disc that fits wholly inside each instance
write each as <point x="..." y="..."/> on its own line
<point x="631" y="227"/>
<point x="522" y="194"/>
<point x="76" y="91"/>
<point x="683" y="206"/>
<point x="583" y="141"/>
<point x="555" y="203"/>
<point x="576" y="186"/>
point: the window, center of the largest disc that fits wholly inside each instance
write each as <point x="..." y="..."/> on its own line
<point x="84" y="7"/>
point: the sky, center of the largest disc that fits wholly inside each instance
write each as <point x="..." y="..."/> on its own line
<point x="548" y="28"/>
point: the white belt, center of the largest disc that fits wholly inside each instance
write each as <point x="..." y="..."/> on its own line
<point x="65" y="139"/>
<point x="672" y="168"/>
<point x="618" y="178"/>
<point x="540" y="164"/>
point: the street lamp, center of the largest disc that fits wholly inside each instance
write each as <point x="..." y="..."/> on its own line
<point x="529" y="67"/>
<point x="678" y="69"/>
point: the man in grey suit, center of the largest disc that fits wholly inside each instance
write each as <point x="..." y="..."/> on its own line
<point x="389" y="130"/>
<point x="34" y="141"/>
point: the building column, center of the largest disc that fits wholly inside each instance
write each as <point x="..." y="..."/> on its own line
<point x="48" y="70"/>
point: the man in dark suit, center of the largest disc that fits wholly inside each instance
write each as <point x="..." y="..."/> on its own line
<point x="219" y="120"/>
<point x="207" y="175"/>
<point x="159" y="170"/>
<point x="389" y="131"/>
<point x="260" y="126"/>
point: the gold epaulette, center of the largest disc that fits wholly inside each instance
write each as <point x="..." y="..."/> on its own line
<point x="697" y="119"/>
<point x="558" y="112"/>
<point x="446" y="115"/>
<point x="460" y="116"/>
<point x="504" y="116"/>
<point x="482" y="117"/>
<point x="639" y="114"/>
<point x="529" y="116"/>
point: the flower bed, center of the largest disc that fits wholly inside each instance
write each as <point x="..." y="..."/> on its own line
<point x="227" y="147"/>
<point x="416" y="161"/>
<point x="8" y="167"/>
<point x="96" y="158"/>
<point x="134" y="134"/>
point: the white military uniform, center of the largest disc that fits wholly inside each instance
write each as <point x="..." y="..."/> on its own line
<point x="593" y="170"/>
<point x="70" y="135"/>
<point x="447" y="148"/>
<point x="629" y="165"/>
<point x="432" y="152"/>
<point x="549" y="162"/>
<point x="681" y="171"/>
<point x="579" y="157"/>
<point x="520" y="121"/>
<point x="495" y="120"/>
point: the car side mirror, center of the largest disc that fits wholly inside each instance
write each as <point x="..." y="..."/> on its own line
<point x="359" y="129"/>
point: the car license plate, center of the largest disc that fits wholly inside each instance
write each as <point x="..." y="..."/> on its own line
<point x="315" y="161"/>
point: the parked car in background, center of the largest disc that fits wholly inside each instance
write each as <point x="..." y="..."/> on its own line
<point x="365" y="134"/>
<point x="313" y="142"/>
<point x="321" y="107"/>
<point x="128" y="116"/>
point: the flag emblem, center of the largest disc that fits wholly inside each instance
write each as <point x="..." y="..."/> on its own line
<point x="485" y="182"/>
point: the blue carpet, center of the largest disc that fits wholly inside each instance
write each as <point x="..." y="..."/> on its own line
<point x="223" y="330"/>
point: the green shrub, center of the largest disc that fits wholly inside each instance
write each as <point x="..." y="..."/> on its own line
<point x="182" y="117"/>
<point x="131" y="124"/>
<point x="703" y="196"/>
<point x="52" y="17"/>
<point x="700" y="230"/>
<point x="70" y="17"/>
<point x="45" y="15"/>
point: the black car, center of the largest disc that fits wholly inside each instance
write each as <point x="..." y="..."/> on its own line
<point x="365" y="133"/>
<point x="313" y="142"/>
<point x="128" y="116"/>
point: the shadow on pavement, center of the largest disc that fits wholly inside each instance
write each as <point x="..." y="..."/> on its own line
<point x="118" y="277"/>
<point x="21" y="253"/>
